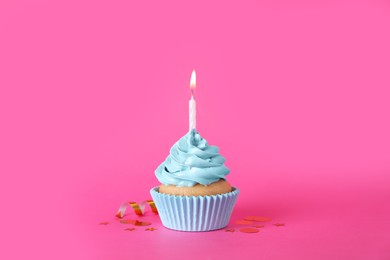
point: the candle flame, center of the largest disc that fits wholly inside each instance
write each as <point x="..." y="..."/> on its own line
<point x="193" y="80"/>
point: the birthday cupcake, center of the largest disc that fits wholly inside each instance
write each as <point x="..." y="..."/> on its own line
<point x="194" y="194"/>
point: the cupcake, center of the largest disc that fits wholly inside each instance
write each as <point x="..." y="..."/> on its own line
<point x="194" y="194"/>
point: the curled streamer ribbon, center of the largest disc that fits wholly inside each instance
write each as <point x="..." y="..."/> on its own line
<point x="139" y="209"/>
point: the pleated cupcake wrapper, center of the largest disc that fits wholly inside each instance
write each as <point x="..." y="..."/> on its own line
<point x="195" y="213"/>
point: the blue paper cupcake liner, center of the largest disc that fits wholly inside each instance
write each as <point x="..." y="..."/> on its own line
<point x="195" y="213"/>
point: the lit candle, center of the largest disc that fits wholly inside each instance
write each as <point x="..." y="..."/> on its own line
<point x="192" y="103"/>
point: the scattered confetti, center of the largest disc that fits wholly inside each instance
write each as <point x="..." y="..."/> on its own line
<point x="243" y="222"/>
<point x="230" y="230"/>
<point x="129" y="229"/>
<point x="150" y="229"/>
<point x="142" y="223"/>
<point x="135" y="222"/>
<point x="278" y="224"/>
<point x="257" y="219"/>
<point x="104" y="223"/>
<point x="258" y="226"/>
<point x="249" y="230"/>
<point x="128" y="221"/>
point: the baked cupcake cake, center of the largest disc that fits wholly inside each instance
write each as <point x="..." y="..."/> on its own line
<point x="194" y="194"/>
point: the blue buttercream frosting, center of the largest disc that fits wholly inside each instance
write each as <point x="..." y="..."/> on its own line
<point x="191" y="161"/>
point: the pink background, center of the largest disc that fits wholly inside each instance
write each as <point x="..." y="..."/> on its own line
<point x="295" y="93"/>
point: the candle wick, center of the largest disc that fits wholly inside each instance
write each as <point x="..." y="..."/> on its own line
<point x="192" y="93"/>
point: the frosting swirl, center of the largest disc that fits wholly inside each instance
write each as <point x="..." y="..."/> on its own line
<point x="191" y="161"/>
